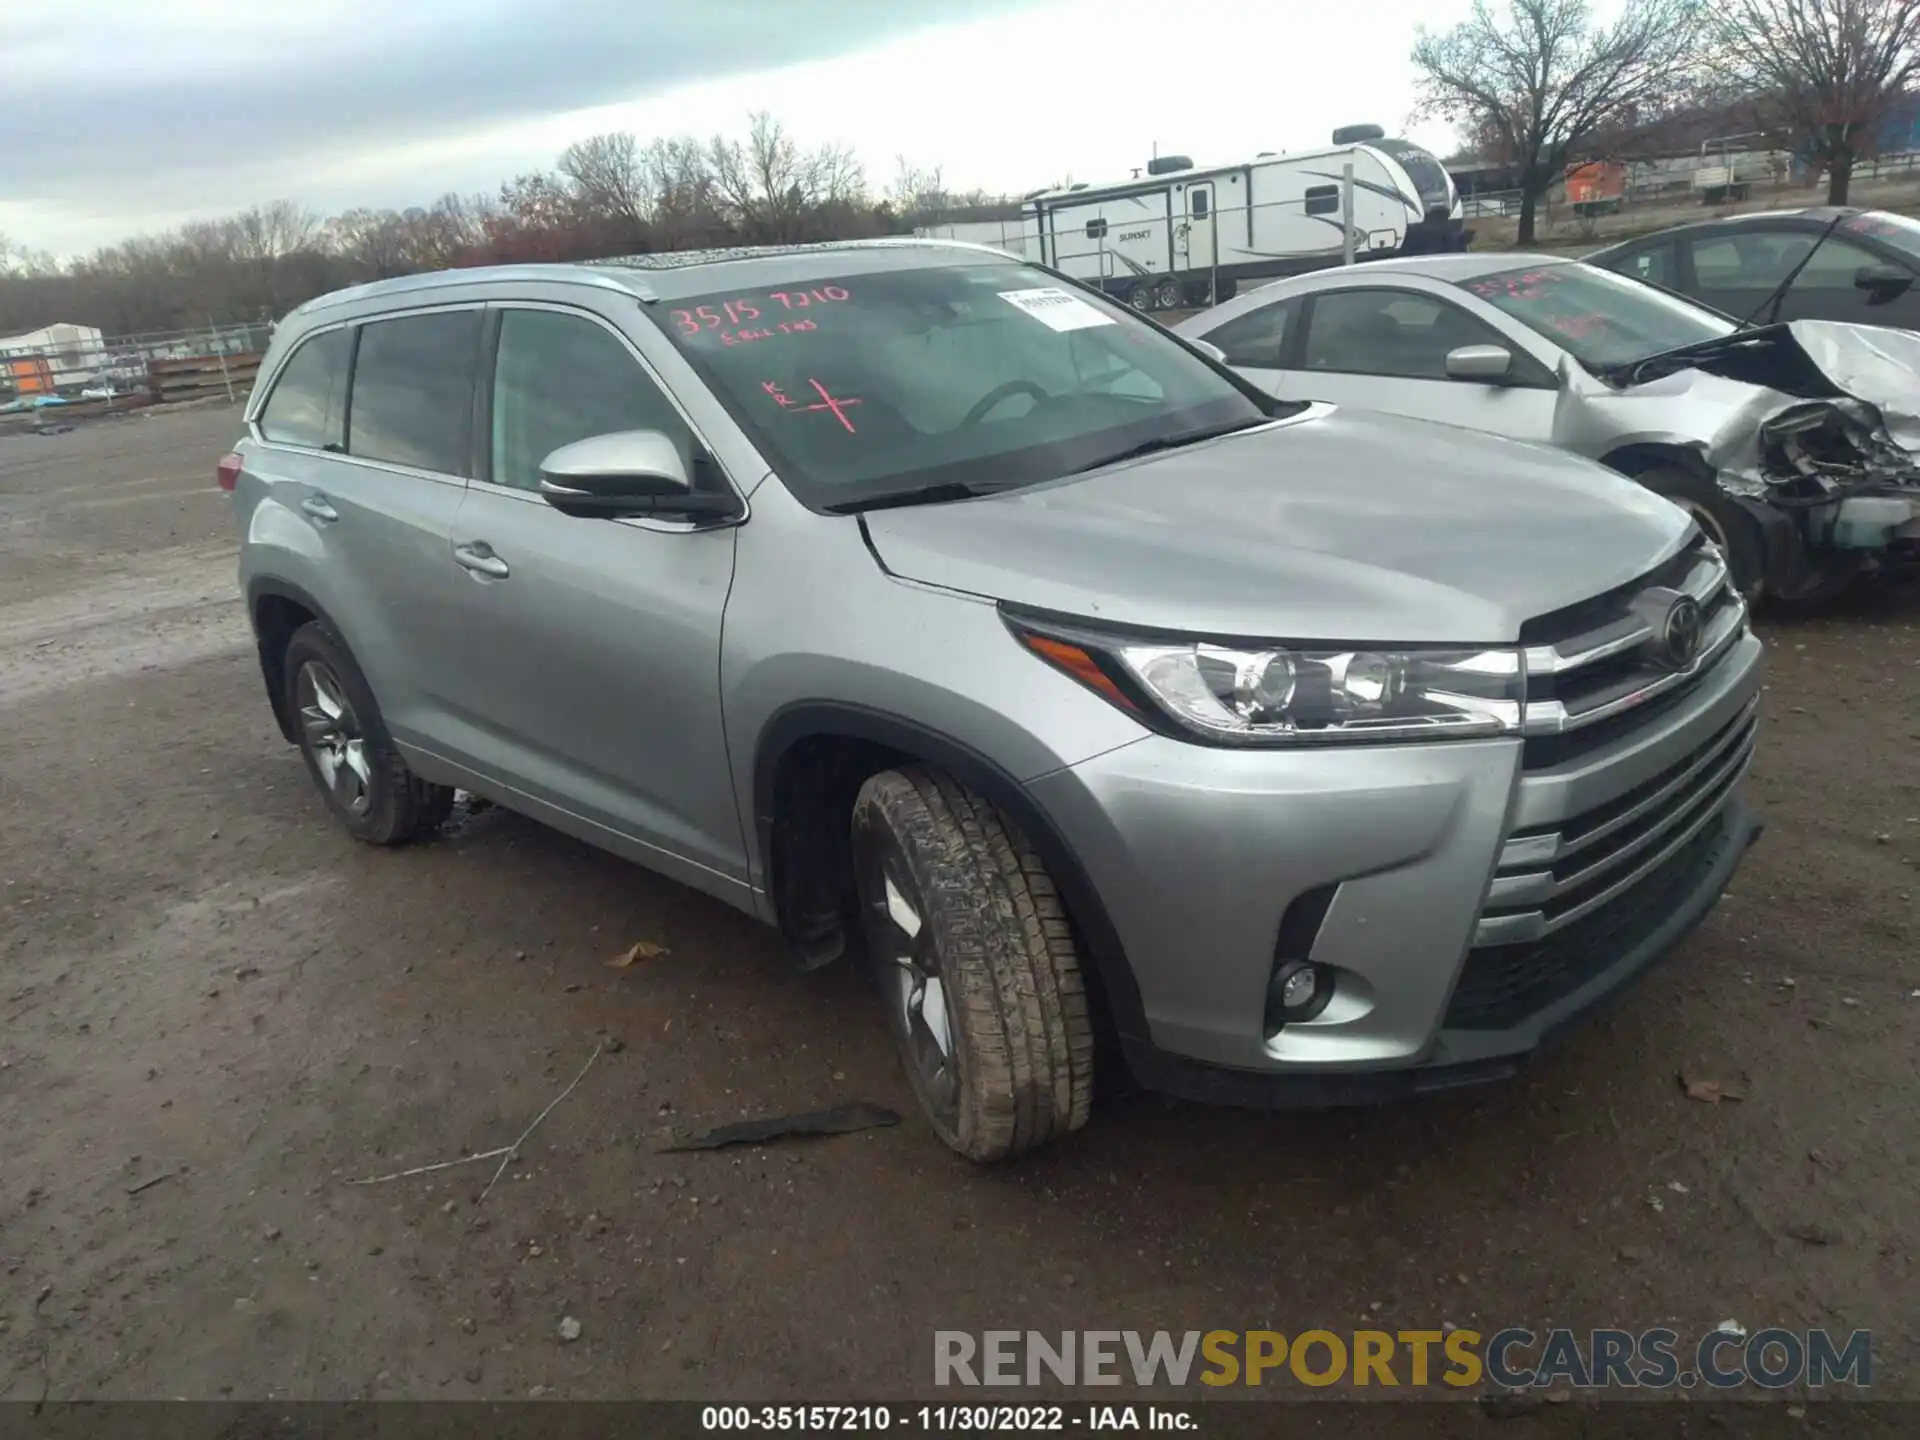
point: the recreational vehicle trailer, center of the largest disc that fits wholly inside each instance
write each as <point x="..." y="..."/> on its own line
<point x="1166" y="239"/>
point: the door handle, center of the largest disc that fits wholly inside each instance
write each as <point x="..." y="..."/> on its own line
<point x="319" y="509"/>
<point x="479" y="558"/>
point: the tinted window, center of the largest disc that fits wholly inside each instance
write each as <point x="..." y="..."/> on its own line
<point x="885" y="382"/>
<point x="1255" y="338"/>
<point x="1428" y="175"/>
<point x="306" y="405"/>
<point x="1096" y="229"/>
<point x="1600" y="318"/>
<point x="1655" y="266"/>
<point x="413" y="390"/>
<point x="1389" y="332"/>
<point x="561" y="378"/>
<point x="1323" y="199"/>
<point x="1197" y="203"/>
<point x="1761" y="259"/>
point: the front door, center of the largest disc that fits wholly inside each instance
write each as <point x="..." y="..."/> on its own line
<point x="591" y="653"/>
<point x="1386" y="349"/>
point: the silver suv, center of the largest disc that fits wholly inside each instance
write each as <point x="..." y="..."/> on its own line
<point x="947" y="616"/>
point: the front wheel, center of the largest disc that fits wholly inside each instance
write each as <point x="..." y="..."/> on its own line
<point x="1141" y="297"/>
<point x="976" y="963"/>
<point x="1721" y="518"/>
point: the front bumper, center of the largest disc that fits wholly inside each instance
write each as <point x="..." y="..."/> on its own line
<point x="1459" y="941"/>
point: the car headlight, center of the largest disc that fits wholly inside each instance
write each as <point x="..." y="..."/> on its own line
<point x="1235" y="695"/>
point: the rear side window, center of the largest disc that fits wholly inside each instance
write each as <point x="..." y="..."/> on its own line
<point x="1257" y="338"/>
<point x="1323" y="199"/>
<point x="413" y="391"/>
<point x="308" y="404"/>
<point x="561" y="378"/>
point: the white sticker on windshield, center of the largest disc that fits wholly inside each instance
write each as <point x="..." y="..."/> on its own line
<point x="1056" y="308"/>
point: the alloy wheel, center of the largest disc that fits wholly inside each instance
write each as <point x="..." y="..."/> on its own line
<point x="331" y="734"/>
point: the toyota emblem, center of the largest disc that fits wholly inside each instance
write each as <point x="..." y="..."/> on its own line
<point x="1680" y="632"/>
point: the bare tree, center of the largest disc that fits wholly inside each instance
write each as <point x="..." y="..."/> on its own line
<point x="372" y="241"/>
<point x="1540" y="79"/>
<point x="610" y="178"/>
<point x="1822" y="73"/>
<point x="770" y="184"/>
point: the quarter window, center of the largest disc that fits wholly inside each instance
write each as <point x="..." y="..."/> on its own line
<point x="413" y="390"/>
<point x="561" y="378"/>
<point x="1389" y="332"/>
<point x="307" y="406"/>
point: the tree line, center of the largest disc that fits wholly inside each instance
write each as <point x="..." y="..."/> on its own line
<point x="1541" y="84"/>
<point x="608" y="195"/>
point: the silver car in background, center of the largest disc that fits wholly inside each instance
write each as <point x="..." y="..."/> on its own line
<point x="965" y="624"/>
<point x="1795" y="446"/>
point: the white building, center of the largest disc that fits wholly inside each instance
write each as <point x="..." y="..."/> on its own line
<point x="71" y="351"/>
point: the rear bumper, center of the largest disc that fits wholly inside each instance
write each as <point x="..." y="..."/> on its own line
<point x="1462" y="1058"/>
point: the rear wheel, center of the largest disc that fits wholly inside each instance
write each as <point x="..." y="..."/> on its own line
<point x="1141" y="297"/>
<point x="1170" y="294"/>
<point x="976" y="962"/>
<point x="349" y="754"/>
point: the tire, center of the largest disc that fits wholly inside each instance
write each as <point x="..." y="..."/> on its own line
<point x="960" y="914"/>
<point x="1141" y="297"/>
<point x="1169" y="294"/>
<point x="349" y="754"/>
<point x="1721" y="519"/>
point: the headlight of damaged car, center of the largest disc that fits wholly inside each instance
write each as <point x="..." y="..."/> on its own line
<point x="1237" y="695"/>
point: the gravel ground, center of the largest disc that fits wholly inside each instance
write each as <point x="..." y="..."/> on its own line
<point x="217" y="1012"/>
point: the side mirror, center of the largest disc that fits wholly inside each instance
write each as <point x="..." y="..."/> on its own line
<point x="630" y="472"/>
<point x="1489" y="364"/>
<point x="1210" y="350"/>
<point x="1882" y="282"/>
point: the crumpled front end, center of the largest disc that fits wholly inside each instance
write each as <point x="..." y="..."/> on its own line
<point x="1850" y="458"/>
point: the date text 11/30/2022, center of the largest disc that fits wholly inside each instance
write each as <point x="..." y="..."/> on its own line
<point x="947" y="1419"/>
<point x="731" y="322"/>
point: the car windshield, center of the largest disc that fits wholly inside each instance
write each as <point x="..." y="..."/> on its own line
<point x="945" y="379"/>
<point x="1602" y="319"/>
<point x="1900" y="231"/>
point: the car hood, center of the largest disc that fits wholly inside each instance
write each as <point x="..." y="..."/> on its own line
<point x="1336" y="524"/>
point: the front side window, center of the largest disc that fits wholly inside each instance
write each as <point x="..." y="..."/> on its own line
<point x="413" y="385"/>
<point x="1258" y="338"/>
<point x="560" y="378"/>
<point x="887" y="383"/>
<point x="1389" y="332"/>
<point x="308" y="403"/>
<point x="1761" y="259"/>
<point x="1600" y="318"/>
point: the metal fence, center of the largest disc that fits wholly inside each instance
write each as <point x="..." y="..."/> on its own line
<point x="83" y="366"/>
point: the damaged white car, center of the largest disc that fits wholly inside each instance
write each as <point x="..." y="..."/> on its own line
<point x="1796" y="447"/>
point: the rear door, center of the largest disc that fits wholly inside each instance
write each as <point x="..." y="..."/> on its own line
<point x="365" y="475"/>
<point x="588" y="662"/>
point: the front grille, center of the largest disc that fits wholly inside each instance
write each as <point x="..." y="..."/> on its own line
<point x="1597" y="669"/>
<point x="1501" y="985"/>
<point x="1550" y="876"/>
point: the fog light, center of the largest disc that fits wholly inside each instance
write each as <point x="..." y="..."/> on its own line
<point x="1299" y="990"/>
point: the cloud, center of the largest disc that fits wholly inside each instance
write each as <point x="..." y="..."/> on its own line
<point x="154" y="105"/>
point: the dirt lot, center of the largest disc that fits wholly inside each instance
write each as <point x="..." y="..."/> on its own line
<point x="208" y="991"/>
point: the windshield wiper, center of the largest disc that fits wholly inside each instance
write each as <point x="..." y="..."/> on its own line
<point x="1770" y="306"/>
<point x="1166" y="442"/>
<point x="924" y="495"/>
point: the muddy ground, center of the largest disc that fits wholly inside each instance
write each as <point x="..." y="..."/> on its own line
<point x="208" y="991"/>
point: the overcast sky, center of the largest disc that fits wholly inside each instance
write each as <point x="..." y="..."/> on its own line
<point x="145" y="113"/>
